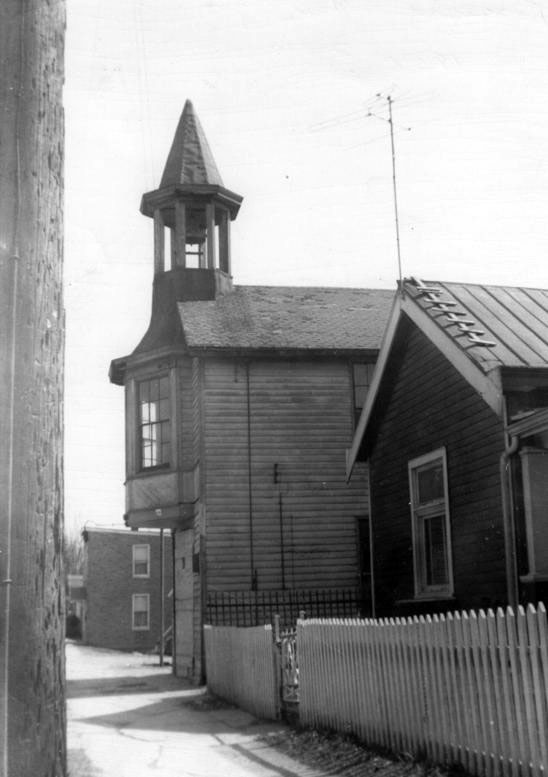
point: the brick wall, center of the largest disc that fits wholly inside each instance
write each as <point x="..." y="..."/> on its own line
<point x="31" y="379"/>
<point x="110" y="585"/>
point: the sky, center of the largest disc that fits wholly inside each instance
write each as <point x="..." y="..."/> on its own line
<point x="292" y="96"/>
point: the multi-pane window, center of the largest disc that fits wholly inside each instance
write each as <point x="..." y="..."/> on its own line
<point x="154" y="422"/>
<point x="431" y="528"/>
<point x="140" y="610"/>
<point x="194" y="253"/>
<point x="141" y="560"/>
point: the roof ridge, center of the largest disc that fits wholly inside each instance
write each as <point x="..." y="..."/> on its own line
<point x="315" y="288"/>
<point x="476" y="285"/>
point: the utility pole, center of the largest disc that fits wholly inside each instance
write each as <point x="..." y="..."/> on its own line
<point x="32" y="703"/>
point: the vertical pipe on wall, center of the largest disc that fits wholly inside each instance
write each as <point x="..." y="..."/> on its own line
<point x="174" y="609"/>
<point x="509" y="523"/>
<point x="282" y="549"/>
<point x="371" y="550"/>
<point x="6" y="576"/>
<point x="250" y="482"/>
<point x="162" y="597"/>
<point x="6" y="581"/>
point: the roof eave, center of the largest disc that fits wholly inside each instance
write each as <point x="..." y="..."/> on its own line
<point x="535" y="422"/>
<point x="487" y="384"/>
<point x="386" y="346"/>
<point x="247" y="352"/>
<point x="117" y="370"/>
<point x="121" y="366"/>
<point x="164" y="197"/>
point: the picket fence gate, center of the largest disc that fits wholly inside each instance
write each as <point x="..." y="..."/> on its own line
<point x="241" y="667"/>
<point x="469" y="689"/>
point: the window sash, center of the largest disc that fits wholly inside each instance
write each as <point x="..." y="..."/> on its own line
<point x="431" y="525"/>
<point x="140" y="612"/>
<point x="141" y="560"/>
<point x="154" y="423"/>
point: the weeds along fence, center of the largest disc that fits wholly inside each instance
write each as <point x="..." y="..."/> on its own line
<point x="468" y="689"/>
<point x="241" y="668"/>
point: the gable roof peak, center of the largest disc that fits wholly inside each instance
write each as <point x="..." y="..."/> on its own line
<point x="190" y="160"/>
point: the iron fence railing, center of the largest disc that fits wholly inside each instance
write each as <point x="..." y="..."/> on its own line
<point x="256" y="608"/>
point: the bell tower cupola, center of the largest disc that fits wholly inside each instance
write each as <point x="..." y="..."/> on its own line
<point x="192" y="211"/>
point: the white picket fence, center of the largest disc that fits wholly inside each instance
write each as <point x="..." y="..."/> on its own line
<point x="241" y="668"/>
<point x="465" y="688"/>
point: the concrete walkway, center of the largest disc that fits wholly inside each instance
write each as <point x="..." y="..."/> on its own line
<point x="127" y="717"/>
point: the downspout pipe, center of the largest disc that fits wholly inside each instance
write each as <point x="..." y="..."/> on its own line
<point x="509" y="522"/>
<point x="252" y="570"/>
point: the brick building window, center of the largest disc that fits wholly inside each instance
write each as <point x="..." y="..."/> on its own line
<point x="140" y="610"/>
<point x="154" y="423"/>
<point x="141" y="560"/>
<point x="430" y="523"/>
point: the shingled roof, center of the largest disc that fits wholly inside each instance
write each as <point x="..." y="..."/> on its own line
<point x="190" y="160"/>
<point x="288" y="317"/>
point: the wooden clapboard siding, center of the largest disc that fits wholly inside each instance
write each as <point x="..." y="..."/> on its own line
<point x="224" y="444"/>
<point x="188" y="592"/>
<point x="300" y="423"/>
<point x="427" y="404"/>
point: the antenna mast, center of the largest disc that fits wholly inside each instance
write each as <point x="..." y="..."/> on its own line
<point x="390" y="122"/>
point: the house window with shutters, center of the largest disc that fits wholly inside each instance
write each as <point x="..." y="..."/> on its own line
<point x="141" y="612"/>
<point x="154" y="423"/>
<point x="431" y="527"/>
<point x="141" y="560"/>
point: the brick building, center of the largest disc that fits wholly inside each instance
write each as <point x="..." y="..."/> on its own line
<point x="123" y="588"/>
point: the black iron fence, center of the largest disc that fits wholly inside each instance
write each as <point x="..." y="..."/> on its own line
<point x="255" y="608"/>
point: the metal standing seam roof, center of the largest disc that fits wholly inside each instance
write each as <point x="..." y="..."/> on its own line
<point x="495" y="325"/>
<point x="278" y="317"/>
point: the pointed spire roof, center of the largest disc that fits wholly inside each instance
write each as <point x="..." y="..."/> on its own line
<point x="190" y="160"/>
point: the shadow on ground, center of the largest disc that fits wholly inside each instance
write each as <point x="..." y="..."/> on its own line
<point x="79" y="764"/>
<point x="182" y="714"/>
<point x="116" y="686"/>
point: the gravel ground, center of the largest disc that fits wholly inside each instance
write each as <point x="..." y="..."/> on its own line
<point x="337" y="755"/>
<point x="334" y="754"/>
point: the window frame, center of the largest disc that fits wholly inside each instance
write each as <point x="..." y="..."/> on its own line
<point x="429" y="510"/>
<point x="133" y="560"/>
<point x="139" y="424"/>
<point x="134" y="611"/>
